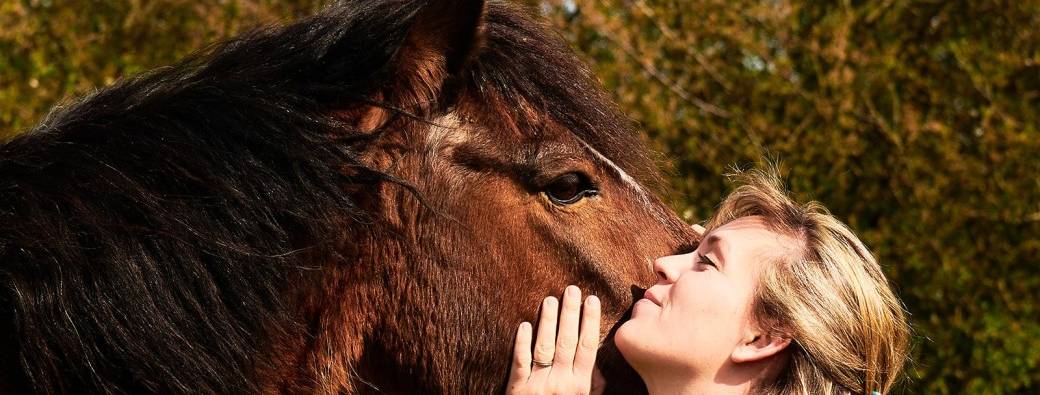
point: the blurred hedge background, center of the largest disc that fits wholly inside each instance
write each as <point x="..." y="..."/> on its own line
<point x="915" y="121"/>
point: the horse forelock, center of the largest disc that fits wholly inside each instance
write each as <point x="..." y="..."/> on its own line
<point x="526" y="74"/>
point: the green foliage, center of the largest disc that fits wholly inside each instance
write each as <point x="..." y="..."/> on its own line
<point x="51" y="50"/>
<point x="914" y="121"/>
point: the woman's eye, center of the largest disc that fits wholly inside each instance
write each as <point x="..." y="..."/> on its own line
<point x="569" y="189"/>
<point x="705" y="260"/>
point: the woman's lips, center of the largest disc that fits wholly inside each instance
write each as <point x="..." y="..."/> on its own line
<point x="648" y="295"/>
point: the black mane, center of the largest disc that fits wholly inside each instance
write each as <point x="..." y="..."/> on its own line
<point x="149" y="232"/>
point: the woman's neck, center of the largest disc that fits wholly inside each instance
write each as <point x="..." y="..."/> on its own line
<point x="695" y="386"/>
<point x="729" y="379"/>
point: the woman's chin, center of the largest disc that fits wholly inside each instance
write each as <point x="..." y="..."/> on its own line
<point x="630" y="338"/>
<point x="621" y="340"/>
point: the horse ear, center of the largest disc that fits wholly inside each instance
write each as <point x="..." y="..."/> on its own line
<point x="441" y="41"/>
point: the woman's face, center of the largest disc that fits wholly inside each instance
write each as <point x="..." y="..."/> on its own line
<point x="698" y="313"/>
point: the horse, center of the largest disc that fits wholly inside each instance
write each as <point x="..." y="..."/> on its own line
<point x="367" y="200"/>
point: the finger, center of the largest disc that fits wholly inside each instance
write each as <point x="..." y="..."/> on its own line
<point x="545" y="342"/>
<point x="567" y="335"/>
<point x="521" y="355"/>
<point x="588" y="343"/>
<point x="698" y="229"/>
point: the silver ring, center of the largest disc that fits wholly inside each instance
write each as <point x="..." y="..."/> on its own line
<point x="541" y="364"/>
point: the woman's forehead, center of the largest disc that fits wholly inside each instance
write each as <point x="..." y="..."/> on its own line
<point x="749" y="223"/>
<point x="750" y="235"/>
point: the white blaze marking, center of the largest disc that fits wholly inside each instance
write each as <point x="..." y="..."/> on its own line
<point x="443" y="130"/>
<point x="628" y="181"/>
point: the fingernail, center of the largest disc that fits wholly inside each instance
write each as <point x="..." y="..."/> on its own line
<point x="592" y="301"/>
<point x="571" y="290"/>
<point x="524" y="326"/>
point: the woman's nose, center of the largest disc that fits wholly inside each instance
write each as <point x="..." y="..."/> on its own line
<point x="669" y="268"/>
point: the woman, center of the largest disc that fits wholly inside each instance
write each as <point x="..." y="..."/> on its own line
<point x="778" y="298"/>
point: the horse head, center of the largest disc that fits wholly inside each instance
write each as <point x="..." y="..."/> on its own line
<point x="367" y="200"/>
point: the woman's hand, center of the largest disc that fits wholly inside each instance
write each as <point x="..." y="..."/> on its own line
<point x="561" y="363"/>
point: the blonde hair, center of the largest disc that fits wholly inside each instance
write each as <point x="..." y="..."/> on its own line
<point x="848" y="329"/>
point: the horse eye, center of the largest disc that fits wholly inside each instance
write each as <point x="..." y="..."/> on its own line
<point x="569" y="189"/>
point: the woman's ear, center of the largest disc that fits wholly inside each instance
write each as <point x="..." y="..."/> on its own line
<point x="759" y="345"/>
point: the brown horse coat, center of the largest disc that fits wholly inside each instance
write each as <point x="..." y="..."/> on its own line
<point x="368" y="200"/>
